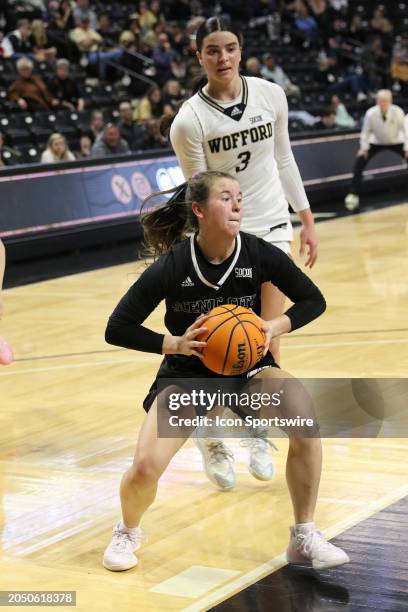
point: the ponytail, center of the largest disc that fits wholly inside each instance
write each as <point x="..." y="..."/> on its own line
<point x="170" y="222"/>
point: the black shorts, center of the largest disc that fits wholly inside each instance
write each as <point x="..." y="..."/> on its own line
<point x="183" y="367"/>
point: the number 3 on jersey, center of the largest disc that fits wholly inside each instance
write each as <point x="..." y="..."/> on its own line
<point x="245" y="156"/>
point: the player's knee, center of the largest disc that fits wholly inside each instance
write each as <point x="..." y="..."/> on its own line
<point x="143" y="473"/>
<point x="305" y="445"/>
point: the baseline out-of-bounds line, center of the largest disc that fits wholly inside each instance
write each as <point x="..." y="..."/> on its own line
<point x="279" y="561"/>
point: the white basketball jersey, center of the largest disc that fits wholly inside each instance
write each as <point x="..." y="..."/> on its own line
<point x="248" y="138"/>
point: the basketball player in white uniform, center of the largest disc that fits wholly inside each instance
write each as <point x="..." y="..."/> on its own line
<point x="239" y="125"/>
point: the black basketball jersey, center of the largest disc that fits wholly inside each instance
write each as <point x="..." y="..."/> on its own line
<point x="191" y="285"/>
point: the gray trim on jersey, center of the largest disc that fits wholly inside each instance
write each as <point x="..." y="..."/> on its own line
<point x="227" y="273"/>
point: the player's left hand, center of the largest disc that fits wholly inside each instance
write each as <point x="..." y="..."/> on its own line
<point x="308" y="240"/>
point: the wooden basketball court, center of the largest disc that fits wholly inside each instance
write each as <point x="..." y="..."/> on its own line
<point x="71" y="411"/>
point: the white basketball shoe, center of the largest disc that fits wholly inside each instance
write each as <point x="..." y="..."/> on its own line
<point x="217" y="462"/>
<point x="119" y="555"/>
<point x="311" y="549"/>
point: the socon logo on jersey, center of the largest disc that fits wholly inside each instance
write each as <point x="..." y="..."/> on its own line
<point x="243" y="272"/>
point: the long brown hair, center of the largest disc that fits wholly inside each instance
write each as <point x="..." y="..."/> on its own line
<point x="170" y="222"/>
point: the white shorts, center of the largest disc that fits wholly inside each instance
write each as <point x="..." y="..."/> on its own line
<point x="283" y="245"/>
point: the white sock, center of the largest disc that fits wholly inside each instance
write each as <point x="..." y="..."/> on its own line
<point x="304" y="527"/>
<point x="131" y="530"/>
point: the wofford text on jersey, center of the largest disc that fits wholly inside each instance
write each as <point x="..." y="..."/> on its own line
<point x="240" y="139"/>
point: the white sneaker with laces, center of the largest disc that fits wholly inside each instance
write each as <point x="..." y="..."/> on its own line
<point x="352" y="202"/>
<point x="260" y="461"/>
<point x="119" y="555"/>
<point x="313" y="550"/>
<point x="217" y="462"/>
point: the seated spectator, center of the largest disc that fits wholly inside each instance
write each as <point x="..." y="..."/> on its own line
<point x="276" y="74"/>
<point x="343" y="118"/>
<point x="61" y="17"/>
<point x="253" y="67"/>
<point x="17" y="43"/>
<point x="65" y="89"/>
<point x="154" y="139"/>
<point x="131" y="132"/>
<point x="8" y="156"/>
<point x="327" y="120"/>
<point x="150" y="106"/>
<point x="57" y="150"/>
<point x="85" y="146"/>
<point x="172" y="93"/>
<point x="84" y="36"/>
<point x="147" y="19"/>
<point x="106" y="30"/>
<point x="357" y="30"/>
<point x="89" y="41"/>
<point x="30" y="92"/>
<point x="163" y="56"/>
<point x="42" y="45"/>
<point x="305" y="24"/>
<point x="110" y="143"/>
<point x="82" y="7"/>
<point x="379" y="22"/>
<point x="96" y="125"/>
<point x="399" y="62"/>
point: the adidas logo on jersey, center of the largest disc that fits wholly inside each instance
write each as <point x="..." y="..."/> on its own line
<point x="236" y="111"/>
<point x="187" y="282"/>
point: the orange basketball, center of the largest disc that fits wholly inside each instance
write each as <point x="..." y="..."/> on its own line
<point x="235" y="340"/>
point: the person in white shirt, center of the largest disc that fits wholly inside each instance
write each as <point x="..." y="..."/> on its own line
<point x="239" y="125"/>
<point x="57" y="150"/>
<point x="384" y="129"/>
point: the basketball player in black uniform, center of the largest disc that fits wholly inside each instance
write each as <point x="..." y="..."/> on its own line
<point x="217" y="265"/>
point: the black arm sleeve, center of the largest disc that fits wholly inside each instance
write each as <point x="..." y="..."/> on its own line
<point x="308" y="301"/>
<point x="125" y="323"/>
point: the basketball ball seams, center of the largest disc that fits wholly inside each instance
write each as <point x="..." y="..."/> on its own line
<point x="234" y="338"/>
<point x="229" y="344"/>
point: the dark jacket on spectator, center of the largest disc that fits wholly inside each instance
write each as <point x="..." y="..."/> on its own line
<point x="33" y="90"/>
<point x="64" y="89"/>
<point x="101" y="149"/>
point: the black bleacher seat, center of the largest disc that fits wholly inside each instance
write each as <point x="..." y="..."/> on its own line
<point x="15" y="129"/>
<point x="30" y="153"/>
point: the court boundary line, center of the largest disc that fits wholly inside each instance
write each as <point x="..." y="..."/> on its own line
<point x="293" y="337"/>
<point x="251" y="577"/>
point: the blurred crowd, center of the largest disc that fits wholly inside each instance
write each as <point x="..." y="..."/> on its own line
<point x="108" y="72"/>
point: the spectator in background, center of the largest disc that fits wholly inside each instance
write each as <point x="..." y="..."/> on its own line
<point x="17" y="43"/>
<point x="42" y="45"/>
<point x="110" y="143"/>
<point x="384" y="128"/>
<point x="306" y="25"/>
<point x="163" y="56"/>
<point x="147" y="19"/>
<point x="57" y="150"/>
<point x="96" y="125"/>
<point x="89" y="41"/>
<point x="106" y="31"/>
<point x="343" y="118"/>
<point x="399" y="62"/>
<point x="83" y="7"/>
<point x="150" y="106"/>
<point x="85" y="146"/>
<point x="154" y="139"/>
<point x="172" y="93"/>
<point x="357" y="31"/>
<point x="327" y="119"/>
<point x="30" y="92"/>
<point x="61" y="17"/>
<point x="379" y="23"/>
<point x="65" y="89"/>
<point x="8" y="156"/>
<point x="253" y="67"/>
<point x="272" y="72"/>
<point x="130" y="132"/>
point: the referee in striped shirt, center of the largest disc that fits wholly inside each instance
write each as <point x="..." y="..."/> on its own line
<point x="384" y="129"/>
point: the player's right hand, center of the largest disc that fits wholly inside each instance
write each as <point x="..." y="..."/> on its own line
<point x="188" y="343"/>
